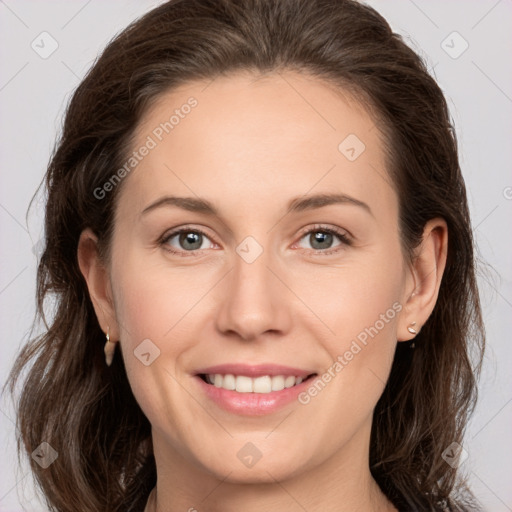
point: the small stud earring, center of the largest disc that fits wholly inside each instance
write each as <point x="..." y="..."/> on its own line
<point x="411" y="328"/>
<point x="110" y="348"/>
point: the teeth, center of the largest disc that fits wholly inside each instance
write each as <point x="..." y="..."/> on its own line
<point x="289" y="382"/>
<point x="229" y="382"/>
<point x="262" y="384"/>
<point x="244" y="384"/>
<point x="277" y="383"/>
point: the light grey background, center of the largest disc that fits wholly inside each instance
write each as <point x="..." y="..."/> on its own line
<point x="478" y="85"/>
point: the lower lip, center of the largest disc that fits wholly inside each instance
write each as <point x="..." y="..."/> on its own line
<point x="252" y="404"/>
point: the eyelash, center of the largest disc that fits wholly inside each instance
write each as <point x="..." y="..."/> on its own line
<point x="344" y="238"/>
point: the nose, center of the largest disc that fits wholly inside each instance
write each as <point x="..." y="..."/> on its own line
<point x="254" y="301"/>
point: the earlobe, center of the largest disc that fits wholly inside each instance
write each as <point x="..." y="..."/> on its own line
<point x="425" y="275"/>
<point x="98" y="283"/>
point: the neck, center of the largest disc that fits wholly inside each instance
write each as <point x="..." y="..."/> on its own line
<point x="343" y="483"/>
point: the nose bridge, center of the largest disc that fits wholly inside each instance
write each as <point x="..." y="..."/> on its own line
<point x="253" y="300"/>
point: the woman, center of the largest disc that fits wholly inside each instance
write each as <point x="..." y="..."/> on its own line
<point x="309" y="350"/>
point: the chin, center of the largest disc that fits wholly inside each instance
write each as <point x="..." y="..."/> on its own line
<point x="268" y="469"/>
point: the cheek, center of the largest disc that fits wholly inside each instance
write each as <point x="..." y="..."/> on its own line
<point x="152" y="314"/>
<point x="155" y="303"/>
<point x="359" y="307"/>
<point x="351" y="299"/>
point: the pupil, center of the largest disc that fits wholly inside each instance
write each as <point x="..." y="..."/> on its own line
<point x="325" y="239"/>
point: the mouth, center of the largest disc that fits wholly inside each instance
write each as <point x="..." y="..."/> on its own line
<point x="252" y="389"/>
<point x="246" y="390"/>
<point x="262" y="384"/>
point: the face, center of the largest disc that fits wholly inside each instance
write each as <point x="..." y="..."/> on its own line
<point x="284" y="264"/>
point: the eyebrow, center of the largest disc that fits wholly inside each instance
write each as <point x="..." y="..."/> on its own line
<point x="298" y="204"/>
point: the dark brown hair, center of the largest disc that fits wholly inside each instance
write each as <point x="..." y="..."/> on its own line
<point x="86" y="410"/>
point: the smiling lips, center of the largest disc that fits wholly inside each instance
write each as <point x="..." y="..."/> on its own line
<point x="252" y="390"/>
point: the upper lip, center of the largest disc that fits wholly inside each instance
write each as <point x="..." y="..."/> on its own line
<point x="254" y="370"/>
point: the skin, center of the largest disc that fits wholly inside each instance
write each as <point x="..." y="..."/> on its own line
<point x="250" y="146"/>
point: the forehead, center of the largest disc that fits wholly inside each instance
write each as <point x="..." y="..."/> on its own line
<point x="272" y="136"/>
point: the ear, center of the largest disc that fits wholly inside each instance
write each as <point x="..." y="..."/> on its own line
<point x="424" y="278"/>
<point x="98" y="283"/>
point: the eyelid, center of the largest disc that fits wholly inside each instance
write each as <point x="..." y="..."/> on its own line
<point x="326" y="227"/>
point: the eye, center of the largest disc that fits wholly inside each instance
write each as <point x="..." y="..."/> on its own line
<point x="184" y="240"/>
<point x="322" y="238"/>
<point x="187" y="240"/>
